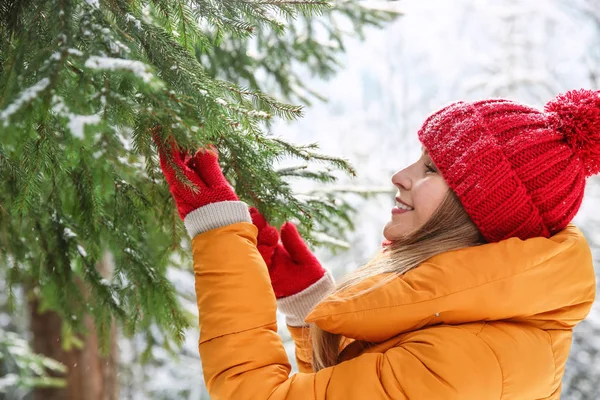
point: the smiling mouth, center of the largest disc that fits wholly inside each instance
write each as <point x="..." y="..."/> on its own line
<point x="402" y="205"/>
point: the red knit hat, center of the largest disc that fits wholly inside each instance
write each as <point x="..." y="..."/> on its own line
<point x="518" y="171"/>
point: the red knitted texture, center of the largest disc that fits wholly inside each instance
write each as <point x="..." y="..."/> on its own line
<point x="518" y="171"/>
<point x="202" y="170"/>
<point x="292" y="266"/>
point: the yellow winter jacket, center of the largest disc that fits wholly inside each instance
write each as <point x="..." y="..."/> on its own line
<point x="487" y="322"/>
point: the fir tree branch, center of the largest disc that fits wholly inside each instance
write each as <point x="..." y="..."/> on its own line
<point x="182" y="18"/>
<point x="100" y="178"/>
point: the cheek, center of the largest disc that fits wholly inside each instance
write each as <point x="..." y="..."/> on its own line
<point x="430" y="197"/>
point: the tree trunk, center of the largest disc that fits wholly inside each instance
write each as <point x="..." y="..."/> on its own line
<point x="90" y="376"/>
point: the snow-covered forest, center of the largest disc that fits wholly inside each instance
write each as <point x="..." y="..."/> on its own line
<point x="368" y="112"/>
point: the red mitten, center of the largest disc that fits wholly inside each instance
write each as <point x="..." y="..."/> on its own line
<point x="294" y="266"/>
<point x="203" y="170"/>
<point x="298" y="279"/>
<point x="268" y="237"/>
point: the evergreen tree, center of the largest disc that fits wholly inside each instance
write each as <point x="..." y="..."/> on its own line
<point x="82" y="85"/>
<point x="22" y="369"/>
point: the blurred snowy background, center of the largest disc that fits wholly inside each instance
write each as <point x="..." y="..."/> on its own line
<point x="437" y="52"/>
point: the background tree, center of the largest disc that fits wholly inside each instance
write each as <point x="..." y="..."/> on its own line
<point x="87" y="228"/>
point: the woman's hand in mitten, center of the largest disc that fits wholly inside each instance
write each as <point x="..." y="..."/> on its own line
<point x="212" y="202"/>
<point x="203" y="170"/>
<point x="298" y="279"/>
<point x="294" y="267"/>
<point x="268" y="237"/>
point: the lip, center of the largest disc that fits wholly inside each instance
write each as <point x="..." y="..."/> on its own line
<point x="397" y="210"/>
<point x="400" y="201"/>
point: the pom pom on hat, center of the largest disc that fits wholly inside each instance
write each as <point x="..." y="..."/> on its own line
<point x="576" y="115"/>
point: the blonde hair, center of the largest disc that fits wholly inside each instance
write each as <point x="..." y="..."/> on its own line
<point x="449" y="228"/>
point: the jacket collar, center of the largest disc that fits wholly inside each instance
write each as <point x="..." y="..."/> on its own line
<point x="545" y="282"/>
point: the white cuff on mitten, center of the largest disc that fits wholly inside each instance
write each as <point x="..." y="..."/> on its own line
<point x="297" y="306"/>
<point x="216" y="215"/>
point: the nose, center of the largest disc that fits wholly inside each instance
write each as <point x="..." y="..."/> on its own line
<point x="401" y="179"/>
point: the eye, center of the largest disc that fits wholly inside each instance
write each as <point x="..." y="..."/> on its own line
<point x="430" y="168"/>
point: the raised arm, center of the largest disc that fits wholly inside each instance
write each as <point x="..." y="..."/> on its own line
<point x="298" y="280"/>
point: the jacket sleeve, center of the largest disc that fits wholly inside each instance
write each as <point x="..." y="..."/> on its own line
<point x="295" y="308"/>
<point x="303" y="344"/>
<point x="243" y="356"/>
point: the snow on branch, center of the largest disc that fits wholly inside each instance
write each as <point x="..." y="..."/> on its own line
<point x="25" y="97"/>
<point x="133" y="20"/>
<point x="76" y="122"/>
<point x="113" y="64"/>
<point x="93" y="3"/>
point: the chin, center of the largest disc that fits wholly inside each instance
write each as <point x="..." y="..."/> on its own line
<point x="388" y="233"/>
<point x="395" y="231"/>
<point x="391" y="238"/>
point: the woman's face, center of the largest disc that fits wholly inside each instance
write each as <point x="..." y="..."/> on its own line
<point x="421" y="190"/>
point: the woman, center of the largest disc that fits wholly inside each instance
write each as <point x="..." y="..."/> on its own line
<point x="474" y="295"/>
